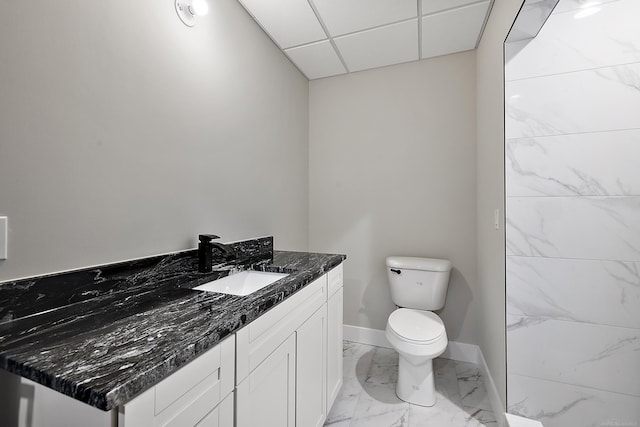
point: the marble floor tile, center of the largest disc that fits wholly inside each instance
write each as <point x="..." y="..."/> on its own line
<point x="446" y="414"/>
<point x="368" y="397"/>
<point x="345" y="404"/>
<point x="357" y="359"/>
<point x="399" y="418"/>
<point x="472" y="389"/>
<point x="446" y="380"/>
<point x="383" y="370"/>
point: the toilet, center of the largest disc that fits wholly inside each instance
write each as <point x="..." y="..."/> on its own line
<point x="418" y="286"/>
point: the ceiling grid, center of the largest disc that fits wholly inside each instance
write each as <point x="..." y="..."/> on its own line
<point x="324" y="38"/>
<point x="326" y="31"/>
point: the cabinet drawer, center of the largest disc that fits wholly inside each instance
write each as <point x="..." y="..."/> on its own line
<point x="185" y="397"/>
<point x="261" y="337"/>
<point x="335" y="279"/>
<point x="199" y="413"/>
<point x="213" y="367"/>
<point x="193" y="409"/>
<point x="203" y="369"/>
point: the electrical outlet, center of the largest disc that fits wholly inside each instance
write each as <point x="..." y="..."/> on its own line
<point x="4" y="231"/>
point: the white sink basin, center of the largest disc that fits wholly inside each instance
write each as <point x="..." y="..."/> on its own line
<point x="243" y="283"/>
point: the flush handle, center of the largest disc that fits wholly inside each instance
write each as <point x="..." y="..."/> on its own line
<point x="396" y="271"/>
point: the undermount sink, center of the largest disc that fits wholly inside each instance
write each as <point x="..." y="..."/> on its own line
<point x="243" y="283"/>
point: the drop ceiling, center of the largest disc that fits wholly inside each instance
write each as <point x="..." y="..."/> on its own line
<point x="329" y="37"/>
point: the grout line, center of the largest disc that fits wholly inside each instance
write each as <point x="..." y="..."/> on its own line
<point x="574" y="258"/>
<point x="526" y="138"/>
<point x="571" y="259"/>
<point x="581" y="70"/>
<point x="557" y="319"/>
<point x="571" y="385"/>
<point x="575" y="196"/>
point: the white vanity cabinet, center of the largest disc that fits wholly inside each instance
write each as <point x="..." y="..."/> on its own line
<point x="197" y="395"/>
<point x="288" y="370"/>
<point x="283" y="357"/>
<point x="273" y="388"/>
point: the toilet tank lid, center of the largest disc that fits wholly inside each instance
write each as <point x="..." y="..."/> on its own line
<point x="416" y="263"/>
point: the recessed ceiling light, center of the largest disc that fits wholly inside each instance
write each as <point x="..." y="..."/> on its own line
<point x="188" y="9"/>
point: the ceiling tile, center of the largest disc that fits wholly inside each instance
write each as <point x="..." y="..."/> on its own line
<point x="453" y="31"/>
<point x="316" y="60"/>
<point x="347" y="16"/>
<point x="382" y="46"/>
<point x="288" y="22"/>
<point x="433" y="6"/>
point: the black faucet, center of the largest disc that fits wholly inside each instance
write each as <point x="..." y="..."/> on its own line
<point x="205" y="252"/>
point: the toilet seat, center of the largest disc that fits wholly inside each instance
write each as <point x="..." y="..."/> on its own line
<point x="416" y="326"/>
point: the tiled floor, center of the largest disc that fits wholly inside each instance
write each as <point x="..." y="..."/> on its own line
<point x="368" y="395"/>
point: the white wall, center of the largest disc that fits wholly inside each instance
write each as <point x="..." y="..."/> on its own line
<point x="392" y="172"/>
<point x="573" y="213"/>
<point x="124" y="133"/>
<point x="490" y="190"/>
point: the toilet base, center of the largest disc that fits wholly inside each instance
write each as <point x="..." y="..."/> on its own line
<point x="415" y="381"/>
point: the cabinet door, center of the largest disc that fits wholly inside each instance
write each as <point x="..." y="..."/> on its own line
<point x="257" y="340"/>
<point x="221" y="416"/>
<point x="266" y="398"/>
<point x="311" y="380"/>
<point x="334" y="347"/>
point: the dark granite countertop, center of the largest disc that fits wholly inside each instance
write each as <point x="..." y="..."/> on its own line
<point x="102" y="335"/>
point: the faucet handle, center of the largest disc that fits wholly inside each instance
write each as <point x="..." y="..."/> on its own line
<point x="206" y="238"/>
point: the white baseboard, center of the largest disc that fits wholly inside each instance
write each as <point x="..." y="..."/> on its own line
<point x="492" y="391"/>
<point x="462" y="352"/>
<point x="459" y="351"/>
<point x="365" y="336"/>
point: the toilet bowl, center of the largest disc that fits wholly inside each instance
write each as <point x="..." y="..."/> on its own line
<point x="419" y="337"/>
<point x="417" y="334"/>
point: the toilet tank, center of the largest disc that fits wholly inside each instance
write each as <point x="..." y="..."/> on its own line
<point x="418" y="283"/>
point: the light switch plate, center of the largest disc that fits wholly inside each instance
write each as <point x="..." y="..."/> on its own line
<point x="3" y="237"/>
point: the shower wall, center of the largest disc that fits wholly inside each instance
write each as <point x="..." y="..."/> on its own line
<point x="573" y="218"/>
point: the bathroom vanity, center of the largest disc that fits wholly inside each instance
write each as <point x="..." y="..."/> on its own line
<point x="137" y="346"/>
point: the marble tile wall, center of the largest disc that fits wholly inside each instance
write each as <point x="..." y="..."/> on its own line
<point x="572" y="164"/>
